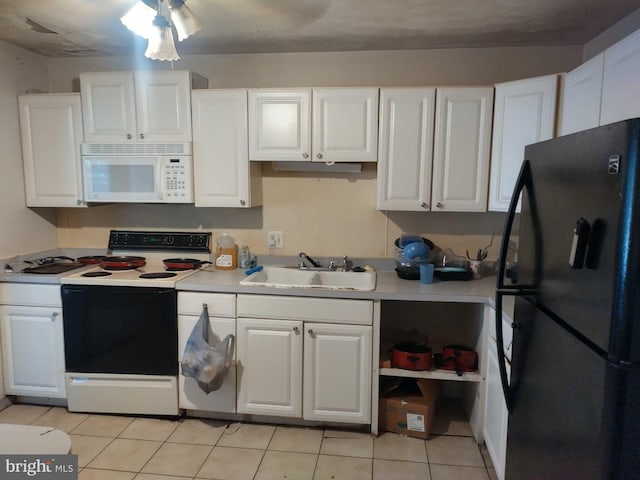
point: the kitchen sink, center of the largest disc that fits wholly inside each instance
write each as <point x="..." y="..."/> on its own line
<point x="285" y="277"/>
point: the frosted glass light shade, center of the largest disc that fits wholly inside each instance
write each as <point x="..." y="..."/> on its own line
<point x="184" y="21"/>
<point x="161" y="45"/>
<point x="139" y="19"/>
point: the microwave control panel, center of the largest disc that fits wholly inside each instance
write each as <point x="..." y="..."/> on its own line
<point x="178" y="180"/>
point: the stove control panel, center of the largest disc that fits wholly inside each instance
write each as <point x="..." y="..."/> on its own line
<point x="186" y="241"/>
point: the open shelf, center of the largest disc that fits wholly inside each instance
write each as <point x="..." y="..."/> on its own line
<point x="432" y="374"/>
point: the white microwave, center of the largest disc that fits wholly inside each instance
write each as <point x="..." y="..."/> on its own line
<point x="138" y="178"/>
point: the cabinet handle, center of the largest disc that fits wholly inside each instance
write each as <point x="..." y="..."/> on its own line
<point x="318" y="156"/>
<point x="142" y="136"/>
<point x="305" y="155"/>
<point x="54" y="315"/>
<point x="424" y="205"/>
<point x="78" y="202"/>
<point x="311" y="332"/>
<point x="242" y="202"/>
<point x="129" y="136"/>
<point x="296" y="330"/>
<point x="439" y="205"/>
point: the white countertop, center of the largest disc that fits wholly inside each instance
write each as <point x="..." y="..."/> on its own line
<point x="388" y="287"/>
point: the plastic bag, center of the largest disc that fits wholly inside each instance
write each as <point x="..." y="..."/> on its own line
<point x="206" y="363"/>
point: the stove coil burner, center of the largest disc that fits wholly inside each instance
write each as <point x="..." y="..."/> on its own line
<point x="119" y="269"/>
<point x="158" y="275"/>
<point x="96" y="274"/>
<point x="168" y="269"/>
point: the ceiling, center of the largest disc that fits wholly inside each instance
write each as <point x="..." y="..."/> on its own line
<point x="59" y="28"/>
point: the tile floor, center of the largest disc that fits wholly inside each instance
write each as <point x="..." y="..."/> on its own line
<point x="114" y="447"/>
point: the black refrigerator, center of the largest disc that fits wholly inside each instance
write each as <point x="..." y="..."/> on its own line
<point x="574" y="390"/>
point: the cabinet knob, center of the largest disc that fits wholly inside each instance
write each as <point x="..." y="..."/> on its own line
<point x="242" y="202"/>
<point x="296" y="330"/>
<point x="439" y="205"/>
<point x="305" y="155"/>
<point x="129" y="136"/>
<point x="318" y="156"/>
<point x="78" y="202"/>
<point x="311" y="332"/>
<point x="424" y="205"/>
<point x="142" y="136"/>
<point x="54" y="315"/>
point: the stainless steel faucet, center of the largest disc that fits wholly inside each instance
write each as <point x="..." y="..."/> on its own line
<point x="308" y="263"/>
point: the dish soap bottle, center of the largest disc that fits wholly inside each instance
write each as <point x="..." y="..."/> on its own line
<point x="245" y="257"/>
<point x="226" y="253"/>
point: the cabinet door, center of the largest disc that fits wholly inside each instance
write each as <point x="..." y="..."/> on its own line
<point x="524" y="113"/>
<point x="108" y="107"/>
<point x="405" y="156"/>
<point x="51" y="128"/>
<point x="221" y="167"/>
<point x="496" y="413"/>
<point x="581" y="94"/>
<point x="190" y="394"/>
<point x="33" y="351"/>
<point x="461" y="149"/>
<point x="270" y="367"/>
<point x="163" y="106"/>
<point x="620" y="99"/>
<point x="279" y="125"/>
<point x="337" y="373"/>
<point x="345" y="125"/>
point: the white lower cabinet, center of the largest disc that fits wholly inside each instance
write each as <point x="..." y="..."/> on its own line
<point x="305" y="357"/>
<point x="337" y="373"/>
<point x="222" y="322"/>
<point x="32" y="342"/>
<point x="496" y="415"/>
<point x="270" y="367"/>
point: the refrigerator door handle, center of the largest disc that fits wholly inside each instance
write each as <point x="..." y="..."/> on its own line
<point x="502" y="362"/>
<point x="523" y="182"/>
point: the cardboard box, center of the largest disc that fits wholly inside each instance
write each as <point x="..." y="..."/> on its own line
<point x="407" y="406"/>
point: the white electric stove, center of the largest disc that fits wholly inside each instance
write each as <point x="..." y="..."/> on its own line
<point x="121" y="327"/>
<point x="154" y="247"/>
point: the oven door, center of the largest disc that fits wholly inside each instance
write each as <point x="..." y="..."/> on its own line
<point x="120" y="330"/>
<point x="123" y="179"/>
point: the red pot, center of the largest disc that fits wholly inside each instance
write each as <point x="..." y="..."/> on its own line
<point x="411" y="356"/>
<point x="123" y="262"/>
<point x="459" y="358"/>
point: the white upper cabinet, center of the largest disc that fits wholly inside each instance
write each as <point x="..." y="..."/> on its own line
<point x="620" y="99"/>
<point x="343" y="129"/>
<point x="279" y="125"/>
<point x="461" y="149"/>
<point x="51" y="128"/>
<point x="223" y="175"/>
<point x="345" y="125"/>
<point x="148" y="106"/>
<point x="581" y="94"/>
<point x="524" y="113"/>
<point x="405" y="155"/>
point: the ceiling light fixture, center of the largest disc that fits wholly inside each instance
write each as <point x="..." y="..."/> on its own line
<point x="152" y="20"/>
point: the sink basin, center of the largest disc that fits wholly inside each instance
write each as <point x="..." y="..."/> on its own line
<point x="284" y="277"/>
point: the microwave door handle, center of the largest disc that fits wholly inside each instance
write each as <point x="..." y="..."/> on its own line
<point x="161" y="179"/>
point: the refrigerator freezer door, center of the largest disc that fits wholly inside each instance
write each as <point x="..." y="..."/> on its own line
<point x="577" y="196"/>
<point x="556" y="428"/>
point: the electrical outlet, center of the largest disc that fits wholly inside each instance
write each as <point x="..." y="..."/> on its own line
<point x="275" y="239"/>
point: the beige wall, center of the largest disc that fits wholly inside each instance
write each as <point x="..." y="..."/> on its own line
<point x="320" y="214"/>
<point x="22" y="229"/>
